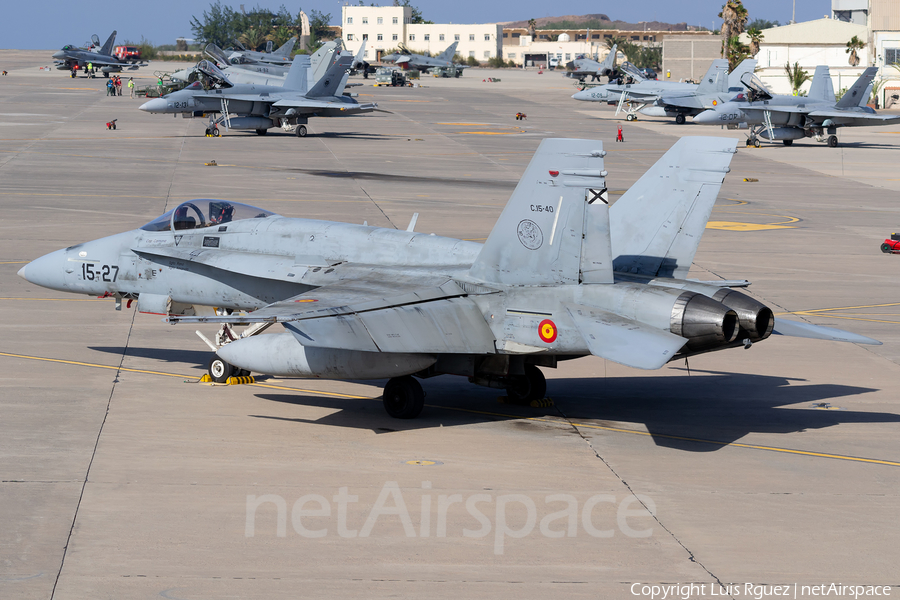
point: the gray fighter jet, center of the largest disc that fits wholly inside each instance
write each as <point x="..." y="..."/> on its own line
<point x="281" y="56"/>
<point x="788" y="118"/>
<point x="562" y="275"/>
<point x="262" y="107"/>
<point x="582" y="68"/>
<point x="408" y="60"/>
<point x="72" y="58"/>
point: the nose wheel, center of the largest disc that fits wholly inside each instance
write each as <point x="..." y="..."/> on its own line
<point x="219" y="370"/>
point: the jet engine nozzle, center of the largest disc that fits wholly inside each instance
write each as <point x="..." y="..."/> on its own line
<point x="755" y="318"/>
<point x="703" y="321"/>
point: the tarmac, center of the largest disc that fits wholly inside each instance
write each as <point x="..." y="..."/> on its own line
<point x="123" y="477"/>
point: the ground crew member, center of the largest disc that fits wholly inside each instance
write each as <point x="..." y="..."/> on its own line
<point x="90" y="69"/>
<point x="131" y="86"/>
<point x="619" y="137"/>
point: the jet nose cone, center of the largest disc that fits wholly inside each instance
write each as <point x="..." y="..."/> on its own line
<point x="157" y="105"/>
<point x="47" y="271"/>
<point x="707" y="117"/>
<point x="59" y="55"/>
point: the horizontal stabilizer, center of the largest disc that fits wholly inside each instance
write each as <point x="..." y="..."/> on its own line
<point x="817" y="332"/>
<point x="624" y="341"/>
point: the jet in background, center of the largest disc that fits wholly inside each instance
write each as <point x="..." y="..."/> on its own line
<point x="680" y="104"/>
<point x="640" y="94"/>
<point x="407" y="60"/>
<point x="72" y="58"/>
<point x="281" y="56"/>
<point x="562" y="275"/>
<point x="262" y="107"/>
<point x="582" y="68"/>
<point x="788" y="118"/>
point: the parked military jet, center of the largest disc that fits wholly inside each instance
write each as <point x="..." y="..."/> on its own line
<point x="72" y="58"/>
<point x="682" y="104"/>
<point x="409" y="60"/>
<point x="637" y="94"/>
<point x="262" y="107"/>
<point x="788" y="118"/>
<point x="281" y="56"/>
<point x="562" y="275"/>
<point x="582" y="68"/>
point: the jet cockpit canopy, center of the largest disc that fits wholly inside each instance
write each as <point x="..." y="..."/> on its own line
<point x="196" y="214"/>
<point x="756" y="89"/>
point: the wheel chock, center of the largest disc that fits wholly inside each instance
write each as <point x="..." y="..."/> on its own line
<point x="206" y="378"/>
<point x="240" y="380"/>
<point x="211" y="163"/>
<point x="542" y="403"/>
<point x="750" y="179"/>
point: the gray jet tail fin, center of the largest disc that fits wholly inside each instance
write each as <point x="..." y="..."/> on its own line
<point x="748" y="65"/>
<point x="287" y="48"/>
<point x="609" y="63"/>
<point x="657" y="224"/>
<point x="329" y="83"/>
<point x="856" y="96"/>
<point x="716" y="79"/>
<point x="449" y="53"/>
<point x="107" y="48"/>
<point x="822" y="87"/>
<point x="555" y="227"/>
<point x="296" y="79"/>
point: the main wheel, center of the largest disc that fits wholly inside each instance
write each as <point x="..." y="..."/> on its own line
<point x="215" y="132"/>
<point x="522" y="389"/>
<point x="756" y="143"/>
<point x="403" y="397"/>
<point x="886" y="248"/>
<point x="301" y="131"/>
<point x="787" y="142"/>
<point x="262" y="131"/>
<point x="219" y="370"/>
<point x="832" y="141"/>
<point x="679" y="119"/>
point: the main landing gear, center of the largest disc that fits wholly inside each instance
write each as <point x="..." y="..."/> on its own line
<point x="213" y="131"/>
<point x="679" y="119"/>
<point x="403" y="397"/>
<point x="301" y="131"/>
<point x="523" y="389"/>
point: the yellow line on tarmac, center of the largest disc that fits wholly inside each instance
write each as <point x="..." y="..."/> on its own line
<point x="820" y="310"/>
<point x="290" y="389"/>
<point x="15" y="262"/>
<point x="98" y="299"/>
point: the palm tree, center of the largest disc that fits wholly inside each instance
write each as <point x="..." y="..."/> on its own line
<point x="254" y="38"/>
<point x="756" y="36"/>
<point x="735" y="52"/>
<point x="532" y="25"/>
<point x="613" y="41"/>
<point x="852" y="46"/>
<point x="796" y="76"/>
<point x="280" y="35"/>
<point x="734" y="17"/>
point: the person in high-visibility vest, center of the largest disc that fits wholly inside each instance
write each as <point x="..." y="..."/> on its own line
<point x="90" y="69"/>
<point x="131" y="86"/>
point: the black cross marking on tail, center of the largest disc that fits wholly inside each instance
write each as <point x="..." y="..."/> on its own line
<point x="594" y="195"/>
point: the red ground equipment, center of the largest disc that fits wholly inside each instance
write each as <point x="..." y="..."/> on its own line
<point x="129" y="53"/>
<point x="892" y="244"/>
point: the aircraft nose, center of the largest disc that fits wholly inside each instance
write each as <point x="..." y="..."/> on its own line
<point x="582" y="95"/>
<point x="156" y="105"/>
<point x="58" y="55"/>
<point x="707" y="117"/>
<point x="47" y="271"/>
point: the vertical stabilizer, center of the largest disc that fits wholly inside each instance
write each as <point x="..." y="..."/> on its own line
<point x="856" y="95"/>
<point x="295" y="80"/>
<point x="822" y="87"/>
<point x="107" y="48"/>
<point x="449" y="53"/>
<point x="657" y="224"/>
<point x="539" y="236"/>
<point x="748" y="65"/>
<point x="716" y="79"/>
<point x="330" y="82"/>
<point x="609" y="63"/>
<point x="287" y="48"/>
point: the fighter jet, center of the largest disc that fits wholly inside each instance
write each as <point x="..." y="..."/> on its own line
<point x="639" y="95"/>
<point x="262" y="107"/>
<point x="582" y="68"/>
<point x="788" y="118"/>
<point x="281" y="56"/>
<point x="408" y="60"/>
<point x="562" y="275"/>
<point x="684" y="104"/>
<point x="72" y="58"/>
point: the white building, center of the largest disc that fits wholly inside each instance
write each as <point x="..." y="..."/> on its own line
<point x="537" y="53"/>
<point x="386" y="27"/>
<point x="809" y="44"/>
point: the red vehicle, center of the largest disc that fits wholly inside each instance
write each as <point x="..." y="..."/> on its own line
<point x="892" y="244"/>
<point x="127" y="53"/>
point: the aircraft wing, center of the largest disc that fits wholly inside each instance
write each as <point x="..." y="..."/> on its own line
<point x="378" y="313"/>
<point x="853" y="118"/>
<point x="818" y="332"/>
<point x="311" y="106"/>
<point x="271" y="266"/>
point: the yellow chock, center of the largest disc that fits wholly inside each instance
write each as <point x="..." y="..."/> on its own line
<point x="750" y="179"/>
<point x="542" y="403"/>
<point x="206" y="378"/>
<point x="211" y="163"/>
<point x="240" y="380"/>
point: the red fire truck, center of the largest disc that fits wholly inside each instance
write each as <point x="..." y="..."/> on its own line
<point x="127" y="53"/>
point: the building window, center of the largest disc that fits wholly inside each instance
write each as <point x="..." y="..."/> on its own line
<point x="511" y="55"/>
<point x="487" y="37"/>
<point x="365" y="54"/>
<point x="365" y="20"/>
<point x="568" y="56"/>
<point x="505" y="35"/>
<point x="891" y="55"/>
<point x="365" y="36"/>
<point x="636" y="38"/>
<point x="541" y="36"/>
<point x="595" y="36"/>
<point x="349" y="20"/>
<point x="380" y="20"/>
<point x="487" y="53"/>
<point x="427" y="37"/>
<point x="456" y="37"/>
<point x="441" y="37"/>
<point x="515" y="34"/>
<point x="394" y="37"/>
<point x="379" y="37"/>
<point x="607" y="36"/>
<point x="349" y="37"/>
<point x="412" y="37"/>
<point x="395" y="20"/>
<point x="472" y="53"/>
<point x="471" y="37"/>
